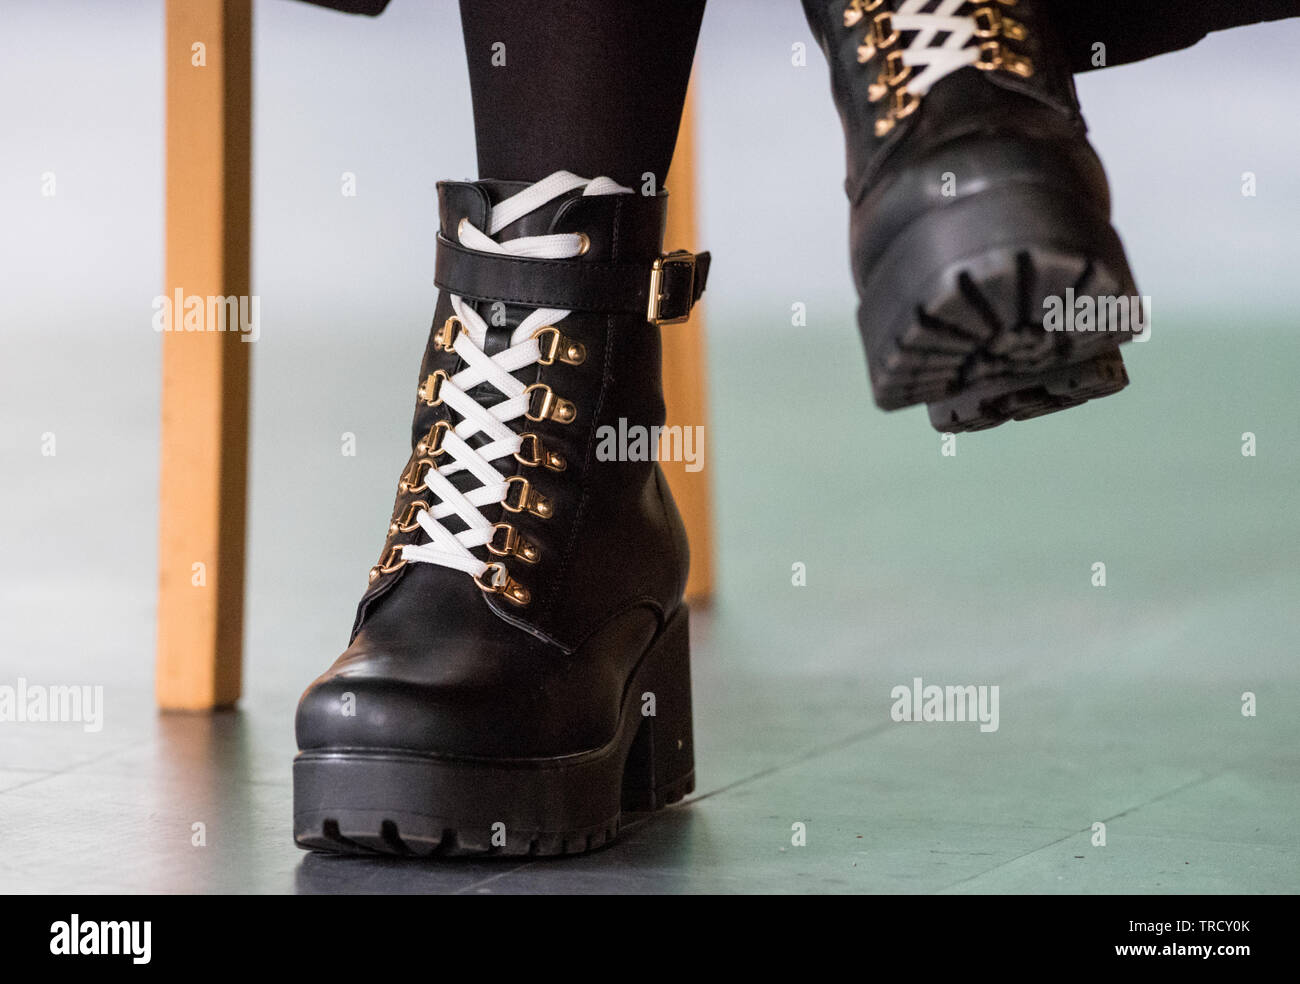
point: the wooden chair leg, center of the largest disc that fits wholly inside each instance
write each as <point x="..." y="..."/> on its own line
<point x="686" y="377"/>
<point x="205" y="372"/>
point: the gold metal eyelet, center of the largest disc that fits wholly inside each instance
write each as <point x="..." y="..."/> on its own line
<point x="431" y="389"/>
<point x="525" y="498"/>
<point x="857" y="9"/>
<point x="445" y="339"/>
<point x="543" y="404"/>
<point x="882" y="33"/>
<point x="495" y="579"/>
<point x="584" y="243"/>
<point x="532" y="453"/>
<point x="414" y="478"/>
<point x="994" y="56"/>
<point x="905" y="103"/>
<point x="990" y="23"/>
<point x="430" y="445"/>
<point x="1017" y="64"/>
<point x="505" y="533"/>
<point x="554" y="345"/>
<point x="506" y="541"/>
<point x="407" y="522"/>
<point x="895" y="70"/>
<point x="1014" y="30"/>
<point x="460" y="227"/>
<point x="391" y="560"/>
<point x="990" y="56"/>
<point x="530" y="450"/>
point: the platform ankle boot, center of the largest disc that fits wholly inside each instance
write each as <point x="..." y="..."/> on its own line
<point x="979" y="212"/>
<point x="518" y="673"/>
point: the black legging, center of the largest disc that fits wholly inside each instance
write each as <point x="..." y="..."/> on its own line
<point x="596" y="88"/>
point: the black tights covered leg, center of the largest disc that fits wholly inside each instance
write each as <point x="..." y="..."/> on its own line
<point x="595" y="87"/>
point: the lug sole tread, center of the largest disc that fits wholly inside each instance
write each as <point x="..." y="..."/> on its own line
<point x="977" y="352"/>
<point x="362" y="833"/>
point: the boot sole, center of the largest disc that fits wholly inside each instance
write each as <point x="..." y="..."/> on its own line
<point x="954" y="311"/>
<point x="408" y="804"/>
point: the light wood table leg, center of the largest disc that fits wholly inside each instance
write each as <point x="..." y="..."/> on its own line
<point x="685" y="374"/>
<point x="205" y="373"/>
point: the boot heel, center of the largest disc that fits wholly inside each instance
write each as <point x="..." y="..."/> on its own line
<point x="660" y="766"/>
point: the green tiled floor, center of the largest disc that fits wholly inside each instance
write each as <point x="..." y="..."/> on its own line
<point x="1118" y="705"/>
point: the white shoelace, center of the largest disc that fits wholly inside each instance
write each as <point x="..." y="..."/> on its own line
<point x="453" y="549"/>
<point x="943" y="59"/>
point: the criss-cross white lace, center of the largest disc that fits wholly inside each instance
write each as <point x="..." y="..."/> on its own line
<point x="913" y="63"/>
<point x="454" y="549"/>
<point x="943" y="59"/>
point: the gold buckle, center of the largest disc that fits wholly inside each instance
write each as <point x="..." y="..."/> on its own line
<point x="681" y="257"/>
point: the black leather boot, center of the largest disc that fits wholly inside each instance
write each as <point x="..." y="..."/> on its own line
<point x="518" y="672"/>
<point x="975" y="198"/>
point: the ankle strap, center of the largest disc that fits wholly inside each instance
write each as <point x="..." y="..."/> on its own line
<point x="663" y="290"/>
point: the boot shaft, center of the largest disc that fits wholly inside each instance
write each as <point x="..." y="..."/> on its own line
<point x="941" y="67"/>
<point x="579" y="538"/>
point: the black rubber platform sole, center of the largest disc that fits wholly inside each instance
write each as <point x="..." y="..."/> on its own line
<point x="349" y="801"/>
<point x="954" y="316"/>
